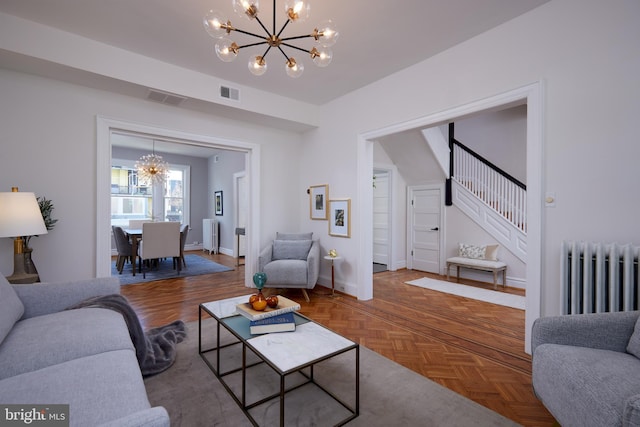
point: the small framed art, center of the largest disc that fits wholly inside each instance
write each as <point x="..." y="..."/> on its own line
<point x="217" y="201"/>
<point x="340" y="217"/>
<point x="318" y="196"/>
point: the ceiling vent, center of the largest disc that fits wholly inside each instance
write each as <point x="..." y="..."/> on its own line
<point x="165" y="98"/>
<point x="229" y="93"/>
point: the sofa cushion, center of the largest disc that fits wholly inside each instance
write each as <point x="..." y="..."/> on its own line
<point x="286" y="273"/>
<point x="634" y="341"/>
<point x="291" y="249"/>
<point x="294" y="236"/>
<point x="72" y="333"/>
<point x="11" y="308"/>
<point x="96" y="387"/>
<point x="585" y="386"/>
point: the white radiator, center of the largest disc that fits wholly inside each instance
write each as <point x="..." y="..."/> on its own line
<point x="599" y="277"/>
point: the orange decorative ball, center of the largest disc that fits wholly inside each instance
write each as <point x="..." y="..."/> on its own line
<point x="272" y="301"/>
<point x="259" y="303"/>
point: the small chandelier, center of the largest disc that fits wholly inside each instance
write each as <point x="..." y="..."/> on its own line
<point x="152" y="169"/>
<point x="325" y="35"/>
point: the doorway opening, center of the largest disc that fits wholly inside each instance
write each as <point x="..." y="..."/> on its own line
<point x="107" y="127"/>
<point x="381" y="220"/>
<point x="531" y="95"/>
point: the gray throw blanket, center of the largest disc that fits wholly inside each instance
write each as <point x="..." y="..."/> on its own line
<point x="155" y="349"/>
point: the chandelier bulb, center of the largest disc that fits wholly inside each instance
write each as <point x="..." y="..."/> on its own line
<point x="321" y="57"/>
<point x="226" y="50"/>
<point x="326" y="34"/>
<point x="297" y="10"/>
<point x="216" y="25"/>
<point x="246" y="8"/>
<point x="258" y="66"/>
<point x="294" y="69"/>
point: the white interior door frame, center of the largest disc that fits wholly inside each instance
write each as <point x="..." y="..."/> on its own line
<point x="532" y="96"/>
<point x="393" y="225"/>
<point x="106" y="126"/>
<point x="237" y="221"/>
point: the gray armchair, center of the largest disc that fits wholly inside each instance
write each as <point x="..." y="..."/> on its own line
<point x="292" y="260"/>
<point x="586" y="369"/>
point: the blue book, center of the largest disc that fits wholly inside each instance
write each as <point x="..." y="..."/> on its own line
<point x="281" y="323"/>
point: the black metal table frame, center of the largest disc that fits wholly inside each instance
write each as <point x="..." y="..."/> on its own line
<point x="241" y="401"/>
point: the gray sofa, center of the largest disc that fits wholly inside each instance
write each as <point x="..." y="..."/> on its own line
<point x="586" y="368"/>
<point x="83" y="358"/>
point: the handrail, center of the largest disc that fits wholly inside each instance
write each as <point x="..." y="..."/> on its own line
<point x="496" y="188"/>
<point x="491" y="165"/>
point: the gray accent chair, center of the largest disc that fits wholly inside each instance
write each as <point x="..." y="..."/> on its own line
<point x="292" y="260"/>
<point x="586" y="368"/>
<point x="82" y="357"/>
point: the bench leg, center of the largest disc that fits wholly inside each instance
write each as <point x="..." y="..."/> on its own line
<point x="495" y="280"/>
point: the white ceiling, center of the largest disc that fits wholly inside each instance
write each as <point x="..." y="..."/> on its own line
<point x="377" y="38"/>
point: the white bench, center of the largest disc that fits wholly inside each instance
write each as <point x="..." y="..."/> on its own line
<point x="479" y="264"/>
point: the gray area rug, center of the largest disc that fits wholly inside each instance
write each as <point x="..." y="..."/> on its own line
<point x="196" y="265"/>
<point x="390" y="394"/>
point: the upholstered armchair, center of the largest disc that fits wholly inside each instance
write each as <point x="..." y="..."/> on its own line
<point x="292" y="260"/>
<point x="586" y="368"/>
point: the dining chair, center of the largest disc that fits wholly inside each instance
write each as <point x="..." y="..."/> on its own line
<point x="184" y="231"/>
<point x="123" y="247"/>
<point x="160" y="240"/>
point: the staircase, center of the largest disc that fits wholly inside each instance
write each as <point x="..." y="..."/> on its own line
<point x="495" y="200"/>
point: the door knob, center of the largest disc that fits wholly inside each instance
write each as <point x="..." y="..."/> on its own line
<point x="434" y="229"/>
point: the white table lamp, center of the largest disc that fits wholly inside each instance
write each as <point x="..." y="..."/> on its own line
<point x="20" y="216"/>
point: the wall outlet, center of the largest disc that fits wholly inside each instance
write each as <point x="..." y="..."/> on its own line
<point x="195" y="242"/>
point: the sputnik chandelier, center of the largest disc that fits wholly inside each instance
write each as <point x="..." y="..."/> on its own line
<point x="325" y="35"/>
<point x="152" y="169"/>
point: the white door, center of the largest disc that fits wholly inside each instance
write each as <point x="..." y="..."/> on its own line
<point x="425" y="205"/>
<point x="381" y="218"/>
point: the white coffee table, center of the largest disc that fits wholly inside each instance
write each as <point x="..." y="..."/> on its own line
<point x="286" y="353"/>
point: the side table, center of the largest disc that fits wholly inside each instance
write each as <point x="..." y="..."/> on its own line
<point x="333" y="282"/>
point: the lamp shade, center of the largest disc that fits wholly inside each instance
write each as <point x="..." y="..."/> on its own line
<point x="20" y="215"/>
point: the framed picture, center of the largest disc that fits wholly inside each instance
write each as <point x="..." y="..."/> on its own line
<point x="318" y="195"/>
<point x="217" y="202"/>
<point x="340" y="217"/>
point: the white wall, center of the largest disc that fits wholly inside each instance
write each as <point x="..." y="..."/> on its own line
<point x="48" y="142"/>
<point x="585" y="54"/>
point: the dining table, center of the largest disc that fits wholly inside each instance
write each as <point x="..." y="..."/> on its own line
<point x="135" y="235"/>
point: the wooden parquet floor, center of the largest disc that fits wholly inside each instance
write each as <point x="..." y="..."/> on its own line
<point x="473" y="348"/>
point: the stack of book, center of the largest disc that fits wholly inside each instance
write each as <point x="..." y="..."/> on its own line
<point x="278" y="319"/>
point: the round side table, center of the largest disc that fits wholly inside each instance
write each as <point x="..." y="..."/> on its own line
<point x="333" y="283"/>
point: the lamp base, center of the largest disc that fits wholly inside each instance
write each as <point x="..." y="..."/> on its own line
<point x="23" y="279"/>
<point x="20" y="276"/>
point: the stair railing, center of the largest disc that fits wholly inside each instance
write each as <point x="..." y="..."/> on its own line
<point x="500" y="191"/>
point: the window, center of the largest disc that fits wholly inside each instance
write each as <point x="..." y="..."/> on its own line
<point x="131" y="199"/>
